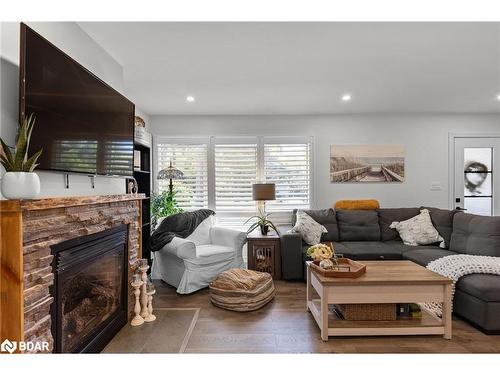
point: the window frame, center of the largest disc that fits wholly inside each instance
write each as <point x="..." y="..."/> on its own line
<point x="210" y="141"/>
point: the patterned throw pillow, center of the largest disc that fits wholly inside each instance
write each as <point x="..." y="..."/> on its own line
<point x="418" y="230"/>
<point x="309" y="229"/>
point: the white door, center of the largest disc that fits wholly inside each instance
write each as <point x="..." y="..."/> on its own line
<point x="477" y="175"/>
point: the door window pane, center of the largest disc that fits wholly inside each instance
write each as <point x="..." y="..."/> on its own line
<point x="478" y="158"/>
<point x="478" y="181"/>
<point x="477" y="184"/>
<point x="478" y="205"/>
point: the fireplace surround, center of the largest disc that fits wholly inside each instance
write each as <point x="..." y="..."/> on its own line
<point x="30" y="230"/>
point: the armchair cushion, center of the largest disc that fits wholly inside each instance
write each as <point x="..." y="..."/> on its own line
<point x="203" y="251"/>
<point x="201" y="235"/>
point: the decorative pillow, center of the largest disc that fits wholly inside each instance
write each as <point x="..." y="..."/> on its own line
<point x="418" y="230"/>
<point x="309" y="229"/>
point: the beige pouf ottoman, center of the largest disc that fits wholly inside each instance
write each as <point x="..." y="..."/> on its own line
<point x="242" y="290"/>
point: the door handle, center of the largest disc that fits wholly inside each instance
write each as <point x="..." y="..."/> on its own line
<point x="460" y="209"/>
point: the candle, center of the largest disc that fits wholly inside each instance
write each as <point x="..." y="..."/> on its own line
<point x="143" y="262"/>
<point x="150" y="287"/>
<point x="137" y="278"/>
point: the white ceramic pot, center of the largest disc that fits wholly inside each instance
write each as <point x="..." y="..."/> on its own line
<point x="20" y="185"/>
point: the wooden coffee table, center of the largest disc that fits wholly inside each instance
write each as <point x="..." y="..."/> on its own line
<point x="384" y="282"/>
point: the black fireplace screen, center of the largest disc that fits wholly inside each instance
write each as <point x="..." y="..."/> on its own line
<point x="90" y="290"/>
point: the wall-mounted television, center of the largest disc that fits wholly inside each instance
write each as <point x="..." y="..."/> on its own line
<point x="82" y="124"/>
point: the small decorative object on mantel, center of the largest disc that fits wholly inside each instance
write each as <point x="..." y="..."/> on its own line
<point x="329" y="264"/>
<point x="136" y="284"/>
<point x="20" y="182"/>
<point x="139" y="121"/>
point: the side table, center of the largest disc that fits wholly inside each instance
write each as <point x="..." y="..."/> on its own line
<point x="264" y="253"/>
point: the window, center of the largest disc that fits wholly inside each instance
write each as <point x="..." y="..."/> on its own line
<point x="288" y="166"/>
<point x="235" y="172"/>
<point x="219" y="173"/>
<point x="192" y="160"/>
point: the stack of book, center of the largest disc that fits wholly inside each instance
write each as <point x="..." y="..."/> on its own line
<point x="409" y="310"/>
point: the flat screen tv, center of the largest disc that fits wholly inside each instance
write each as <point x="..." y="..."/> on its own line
<point x="82" y="124"/>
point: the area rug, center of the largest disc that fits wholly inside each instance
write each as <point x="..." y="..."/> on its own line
<point x="169" y="333"/>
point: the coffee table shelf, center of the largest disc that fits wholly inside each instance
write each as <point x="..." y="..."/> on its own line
<point x="384" y="282"/>
<point x="406" y="326"/>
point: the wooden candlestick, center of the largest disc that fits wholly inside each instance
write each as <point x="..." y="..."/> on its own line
<point x="144" y="297"/>
<point x="138" y="319"/>
<point x="150" y="316"/>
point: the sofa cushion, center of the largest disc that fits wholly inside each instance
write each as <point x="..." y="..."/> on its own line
<point x="443" y="222"/>
<point x="370" y="250"/>
<point x="427" y="255"/>
<point x="310" y="229"/>
<point x="418" y="230"/>
<point x="388" y="215"/>
<point x="358" y="225"/>
<point x="483" y="286"/>
<point x="326" y="218"/>
<point x="476" y="235"/>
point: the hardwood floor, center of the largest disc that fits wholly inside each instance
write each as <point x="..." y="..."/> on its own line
<point x="284" y="326"/>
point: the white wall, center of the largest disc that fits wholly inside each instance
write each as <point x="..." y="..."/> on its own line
<point x="425" y="138"/>
<point x="70" y="38"/>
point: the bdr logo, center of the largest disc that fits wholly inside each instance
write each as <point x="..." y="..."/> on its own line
<point x="11" y="346"/>
<point x="8" y="346"/>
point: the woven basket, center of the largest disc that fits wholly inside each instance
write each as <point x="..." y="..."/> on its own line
<point x="376" y="311"/>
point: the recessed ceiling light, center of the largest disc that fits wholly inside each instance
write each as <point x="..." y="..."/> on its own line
<point x="498" y="97"/>
<point x="190" y="99"/>
<point x="346" y="97"/>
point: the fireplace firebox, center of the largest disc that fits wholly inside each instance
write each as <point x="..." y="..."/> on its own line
<point x="90" y="290"/>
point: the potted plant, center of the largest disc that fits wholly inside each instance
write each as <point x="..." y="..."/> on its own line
<point x="263" y="222"/>
<point x="19" y="181"/>
<point x="163" y="205"/>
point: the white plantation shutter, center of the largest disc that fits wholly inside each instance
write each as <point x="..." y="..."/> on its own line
<point x="235" y="172"/>
<point x="288" y="165"/>
<point x="192" y="159"/>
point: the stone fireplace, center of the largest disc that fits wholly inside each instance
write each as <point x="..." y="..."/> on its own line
<point x="80" y="252"/>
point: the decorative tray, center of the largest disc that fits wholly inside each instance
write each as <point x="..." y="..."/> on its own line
<point x="347" y="268"/>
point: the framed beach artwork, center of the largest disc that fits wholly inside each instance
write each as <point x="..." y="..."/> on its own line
<point x="367" y="163"/>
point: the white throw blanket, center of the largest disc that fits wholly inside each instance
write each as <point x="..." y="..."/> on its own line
<point x="456" y="266"/>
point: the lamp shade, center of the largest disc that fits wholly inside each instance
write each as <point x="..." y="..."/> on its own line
<point x="170" y="173"/>
<point x="263" y="192"/>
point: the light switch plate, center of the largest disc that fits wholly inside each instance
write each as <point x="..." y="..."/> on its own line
<point x="436" y="186"/>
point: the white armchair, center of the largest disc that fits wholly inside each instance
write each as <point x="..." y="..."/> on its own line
<point x="191" y="263"/>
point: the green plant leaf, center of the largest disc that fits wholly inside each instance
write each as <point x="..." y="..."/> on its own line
<point x="252" y="227"/>
<point x="6" y="157"/>
<point x="30" y="164"/>
<point x="6" y="164"/>
<point x="21" y="147"/>
<point x="252" y="217"/>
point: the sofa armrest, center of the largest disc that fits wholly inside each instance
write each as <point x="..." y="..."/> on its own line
<point x="228" y="237"/>
<point x="181" y="248"/>
<point x="291" y="255"/>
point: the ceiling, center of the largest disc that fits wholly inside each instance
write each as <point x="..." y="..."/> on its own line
<point x="305" y="68"/>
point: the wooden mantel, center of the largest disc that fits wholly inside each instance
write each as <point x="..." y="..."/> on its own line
<point x="27" y="230"/>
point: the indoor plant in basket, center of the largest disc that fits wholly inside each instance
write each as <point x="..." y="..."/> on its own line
<point x="19" y="181"/>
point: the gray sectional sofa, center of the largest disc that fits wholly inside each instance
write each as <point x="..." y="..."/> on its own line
<point x="366" y="235"/>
